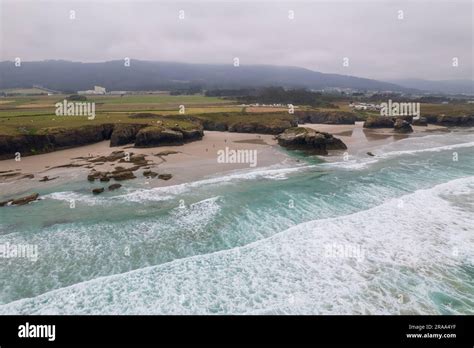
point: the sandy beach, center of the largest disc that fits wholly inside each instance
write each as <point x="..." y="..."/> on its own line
<point x="189" y="162"/>
<point x="360" y="139"/>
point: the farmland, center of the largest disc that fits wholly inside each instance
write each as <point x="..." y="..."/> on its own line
<point x="35" y="113"/>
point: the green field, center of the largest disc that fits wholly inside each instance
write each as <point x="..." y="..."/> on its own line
<point x="23" y="91"/>
<point x="34" y="114"/>
<point x="31" y="114"/>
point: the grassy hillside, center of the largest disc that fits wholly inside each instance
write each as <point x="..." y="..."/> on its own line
<point x="32" y="114"/>
<point x="28" y="115"/>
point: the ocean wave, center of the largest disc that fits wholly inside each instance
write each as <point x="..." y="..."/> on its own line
<point x="265" y="173"/>
<point x="170" y="192"/>
<point x="402" y="257"/>
<point x="362" y="163"/>
<point x="100" y="249"/>
<point x="431" y="149"/>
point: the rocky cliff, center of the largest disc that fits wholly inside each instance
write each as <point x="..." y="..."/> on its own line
<point x="451" y="121"/>
<point x="447" y="121"/>
<point x="157" y="136"/>
<point x="249" y="126"/>
<point x="125" y="133"/>
<point x="53" y="139"/>
<point x="327" y="117"/>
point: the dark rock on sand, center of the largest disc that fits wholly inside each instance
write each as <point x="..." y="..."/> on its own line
<point x="114" y="156"/>
<point x="165" y="176"/>
<point x="422" y="121"/>
<point x="122" y="175"/>
<point x="402" y="126"/>
<point x="9" y="175"/>
<point x="192" y="134"/>
<point x="114" y="187"/>
<point x="378" y="122"/>
<point x="93" y="175"/>
<point x="21" y="201"/>
<point x="138" y="160"/>
<point x="166" y="153"/>
<point x="150" y="174"/>
<point x="26" y="199"/>
<point x="310" y="140"/>
<point x="46" y="178"/>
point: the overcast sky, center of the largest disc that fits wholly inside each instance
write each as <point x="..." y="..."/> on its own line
<point x="369" y="33"/>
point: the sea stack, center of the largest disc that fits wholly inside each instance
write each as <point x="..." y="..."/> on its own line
<point x="301" y="138"/>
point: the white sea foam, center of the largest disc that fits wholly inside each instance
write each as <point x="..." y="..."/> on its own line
<point x="362" y="163"/>
<point x="169" y="192"/>
<point x="413" y="263"/>
<point x="71" y="196"/>
<point x="160" y="192"/>
<point x="99" y="249"/>
<point x="431" y="149"/>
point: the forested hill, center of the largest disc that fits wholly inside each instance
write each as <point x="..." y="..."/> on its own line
<point x="146" y="75"/>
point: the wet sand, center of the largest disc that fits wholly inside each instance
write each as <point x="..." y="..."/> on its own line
<point x="188" y="162"/>
<point x="360" y="139"/>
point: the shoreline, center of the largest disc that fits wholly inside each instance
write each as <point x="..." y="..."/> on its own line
<point x="189" y="162"/>
<point x="360" y="140"/>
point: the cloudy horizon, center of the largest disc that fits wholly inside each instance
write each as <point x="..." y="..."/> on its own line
<point x="375" y="40"/>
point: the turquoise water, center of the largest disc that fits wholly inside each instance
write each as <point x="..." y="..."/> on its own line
<point x="259" y="241"/>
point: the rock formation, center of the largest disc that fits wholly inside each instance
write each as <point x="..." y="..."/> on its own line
<point x="125" y="134"/>
<point x="165" y="176"/>
<point x="420" y="121"/>
<point x="152" y="136"/>
<point x="402" y="126"/>
<point x="310" y="140"/>
<point x="150" y="174"/>
<point x="52" y="139"/>
<point x="379" y="122"/>
<point x="21" y="201"/>
<point x="326" y="117"/>
<point x="114" y="187"/>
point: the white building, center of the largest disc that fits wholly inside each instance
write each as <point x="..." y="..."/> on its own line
<point x="96" y="90"/>
<point x="99" y="90"/>
<point x="365" y="106"/>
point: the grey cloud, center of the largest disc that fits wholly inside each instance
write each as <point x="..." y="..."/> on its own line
<point x="377" y="43"/>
